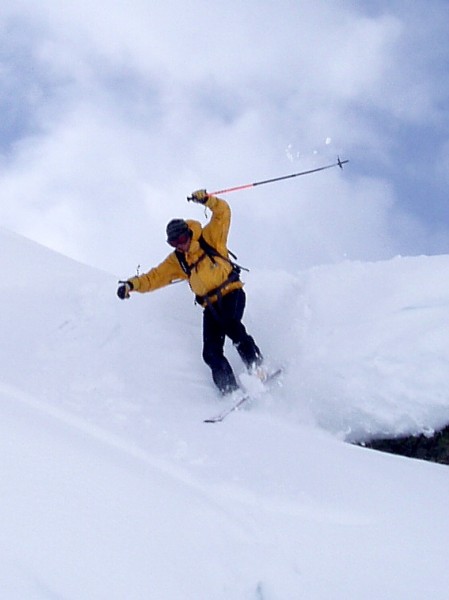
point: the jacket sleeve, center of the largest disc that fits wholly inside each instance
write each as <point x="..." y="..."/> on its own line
<point x="168" y="271"/>
<point x="216" y="231"/>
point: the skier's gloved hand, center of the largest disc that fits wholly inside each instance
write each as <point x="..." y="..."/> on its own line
<point x="199" y="196"/>
<point x="124" y="289"/>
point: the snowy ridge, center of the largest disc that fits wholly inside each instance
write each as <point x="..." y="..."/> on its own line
<point x="109" y="472"/>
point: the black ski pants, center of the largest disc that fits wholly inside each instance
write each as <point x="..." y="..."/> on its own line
<point x="220" y="319"/>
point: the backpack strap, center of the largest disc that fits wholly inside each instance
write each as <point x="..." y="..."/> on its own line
<point x="209" y="251"/>
<point x="182" y="261"/>
<point x="206" y="299"/>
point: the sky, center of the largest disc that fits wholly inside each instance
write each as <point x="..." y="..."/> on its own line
<point x="114" y="112"/>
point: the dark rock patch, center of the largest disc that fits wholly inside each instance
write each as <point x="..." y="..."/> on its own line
<point x="434" y="448"/>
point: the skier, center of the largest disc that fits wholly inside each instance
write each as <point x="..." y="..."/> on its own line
<point x="201" y="257"/>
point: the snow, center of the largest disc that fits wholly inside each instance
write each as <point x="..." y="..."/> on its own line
<point x="113" y="488"/>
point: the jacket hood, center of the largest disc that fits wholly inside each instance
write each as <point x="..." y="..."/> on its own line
<point x="196" y="229"/>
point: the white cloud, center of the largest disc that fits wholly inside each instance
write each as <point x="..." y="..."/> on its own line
<point x="133" y="106"/>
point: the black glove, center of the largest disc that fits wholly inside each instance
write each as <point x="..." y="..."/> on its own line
<point x="124" y="289"/>
<point x="200" y="196"/>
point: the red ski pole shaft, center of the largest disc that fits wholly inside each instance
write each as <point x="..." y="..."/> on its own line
<point x="339" y="163"/>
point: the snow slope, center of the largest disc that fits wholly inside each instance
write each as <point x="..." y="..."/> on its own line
<point x="114" y="488"/>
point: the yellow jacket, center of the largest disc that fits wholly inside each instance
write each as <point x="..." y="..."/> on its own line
<point x="207" y="275"/>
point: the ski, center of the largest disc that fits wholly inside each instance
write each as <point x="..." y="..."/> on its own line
<point x="245" y="398"/>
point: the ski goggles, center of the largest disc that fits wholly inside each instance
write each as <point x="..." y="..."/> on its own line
<point x="180" y="240"/>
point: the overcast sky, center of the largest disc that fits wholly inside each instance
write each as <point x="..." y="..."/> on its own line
<point x="114" y="111"/>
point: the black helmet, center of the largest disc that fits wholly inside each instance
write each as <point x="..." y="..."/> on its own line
<point x="177" y="228"/>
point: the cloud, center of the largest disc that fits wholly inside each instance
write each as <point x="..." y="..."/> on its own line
<point x="118" y="112"/>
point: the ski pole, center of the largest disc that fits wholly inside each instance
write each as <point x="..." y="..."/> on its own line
<point x="246" y="186"/>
